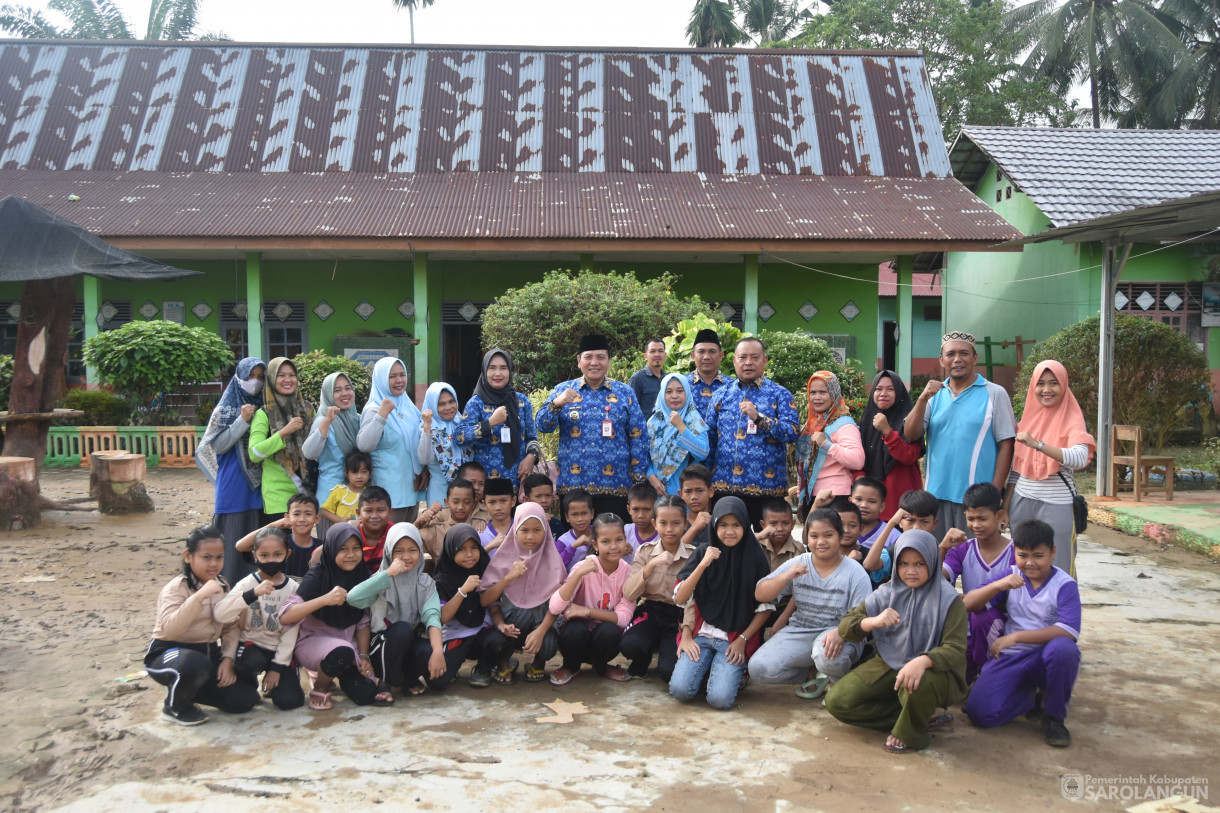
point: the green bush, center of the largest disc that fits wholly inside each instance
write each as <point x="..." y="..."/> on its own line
<point x="313" y="367"/>
<point x="101" y="408"/>
<point x="542" y="322"/>
<point x="681" y="343"/>
<point x="1158" y="371"/>
<point x="6" y="379"/>
<point x="145" y="359"/>
<point x="625" y="365"/>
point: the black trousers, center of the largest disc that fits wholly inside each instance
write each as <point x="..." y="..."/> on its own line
<point x="253" y="661"/>
<point x="341" y="665"/>
<point x="578" y="644"/>
<point x="610" y="504"/>
<point x="754" y="504"/>
<point x="391" y="652"/>
<point x="189" y="670"/>
<point x="653" y="629"/>
<point x="479" y="647"/>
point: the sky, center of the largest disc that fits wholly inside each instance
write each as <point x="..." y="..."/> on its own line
<point x="622" y="23"/>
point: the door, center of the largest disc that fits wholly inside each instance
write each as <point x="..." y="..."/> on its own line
<point x="462" y="346"/>
<point x="889" y="350"/>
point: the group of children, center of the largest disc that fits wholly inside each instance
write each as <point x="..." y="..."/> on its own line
<point x="853" y="611"/>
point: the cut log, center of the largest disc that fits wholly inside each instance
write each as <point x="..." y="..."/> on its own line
<point x="117" y="480"/>
<point x="19" y="502"/>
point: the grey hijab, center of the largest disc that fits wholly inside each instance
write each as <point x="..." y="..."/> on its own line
<point x="923" y="610"/>
<point x="404" y="600"/>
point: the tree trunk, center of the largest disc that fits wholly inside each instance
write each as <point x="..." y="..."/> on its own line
<point x="39" y="362"/>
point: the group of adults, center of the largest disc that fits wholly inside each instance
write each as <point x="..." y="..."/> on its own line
<point x="614" y="434"/>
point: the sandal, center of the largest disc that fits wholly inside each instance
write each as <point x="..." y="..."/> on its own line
<point x="899" y="749"/>
<point x="506" y="676"/>
<point x="535" y="674"/>
<point x="562" y="676"/>
<point x="940" y="721"/>
<point x="417" y="690"/>
<point x="617" y="673"/>
<point x="813" y="689"/>
<point x="384" y="696"/>
<point x="320" y="701"/>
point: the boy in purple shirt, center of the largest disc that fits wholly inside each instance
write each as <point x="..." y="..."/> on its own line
<point x="979" y="561"/>
<point x="1036" y="660"/>
<point x="642" y="506"/>
<point x="578" y="513"/>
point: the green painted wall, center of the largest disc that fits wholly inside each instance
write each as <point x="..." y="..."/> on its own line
<point x="925" y="340"/>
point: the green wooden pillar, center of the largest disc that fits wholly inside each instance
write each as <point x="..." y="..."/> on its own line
<point x="93" y="297"/>
<point x="906" y="315"/>
<point x="254" y="304"/>
<point x="750" y="316"/>
<point x="427" y="325"/>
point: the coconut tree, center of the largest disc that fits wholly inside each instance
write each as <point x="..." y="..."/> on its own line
<point x="101" y="20"/>
<point x="1191" y="93"/>
<point x="712" y="25"/>
<point x="1110" y="44"/>
<point x="771" y="20"/>
<point x="410" y="6"/>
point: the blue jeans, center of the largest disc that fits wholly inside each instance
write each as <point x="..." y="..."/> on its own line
<point x="722" y="684"/>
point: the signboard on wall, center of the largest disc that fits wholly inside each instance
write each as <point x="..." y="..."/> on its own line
<point x="369" y="355"/>
<point x="174" y="311"/>
<point x="1211" y="304"/>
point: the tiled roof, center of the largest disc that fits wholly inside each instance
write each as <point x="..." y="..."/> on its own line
<point x="1079" y="174"/>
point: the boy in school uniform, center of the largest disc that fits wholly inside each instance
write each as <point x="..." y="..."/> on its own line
<point x="695" y="487"/>
<point x="869" y="496"/>
<point x="574" y="545"/>
<point x="981" y="560"/>
<point x="373" y="523"/>
<point x="500" y="500"/>
<point x="300" y="520"/>
<point x="642" y="506"/>
<point x="916" y="512"/>
<point x="538" y="488"/>
<point x="472" y="472"/>
<point x="775" y="536"/>
<point x="1035" y="662"/>
<point x="435" y="522"/>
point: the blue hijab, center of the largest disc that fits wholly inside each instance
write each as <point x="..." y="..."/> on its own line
<point x="226" y="412"/>
<point x="667" y="455"/>
<point x="405" y="419"/>
<point x="449" y="457"/>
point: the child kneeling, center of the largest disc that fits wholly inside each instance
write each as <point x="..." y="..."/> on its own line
<point x="918" y="624"/>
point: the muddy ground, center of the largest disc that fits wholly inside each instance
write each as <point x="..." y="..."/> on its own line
<point x="76" y="603"/>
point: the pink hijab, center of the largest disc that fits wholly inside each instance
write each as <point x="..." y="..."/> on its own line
<point x="545" y="573"/>
<point x="1062" y="425"/>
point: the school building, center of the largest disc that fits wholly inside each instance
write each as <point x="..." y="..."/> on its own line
<point x="351" y="198"/>
<point x="1041" y="178"/>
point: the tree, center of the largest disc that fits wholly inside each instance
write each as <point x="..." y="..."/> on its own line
<point x="1190" y="94"/>
<point x="969" y="57"/>
<point x="410" y="6"/>
<point x="771" y="20"/>
<point x="145" y="359"/>
<point x="101" y="20"/>
<point x="1110" y="44"/>
<point x="541" y="323"/>
<point x="712" y="25"/>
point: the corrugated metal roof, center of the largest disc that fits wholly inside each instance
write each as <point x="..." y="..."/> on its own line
<point x="382" y="109"/>
<point x="469" y="205"/>
<point x="921" y="284"/>
<point x="1076" y="174"/>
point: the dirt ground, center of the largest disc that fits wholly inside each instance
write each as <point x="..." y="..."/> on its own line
<point x="76" y="609"/>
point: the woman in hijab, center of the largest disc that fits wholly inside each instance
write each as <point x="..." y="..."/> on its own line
<point x="1052" y="441"/>
<point x="277" y="435"/>
<point x="677" y="434"/>
<point x="226" y="462"/>
<point x="390" y="426"/>
<point x="334" y="636"/>
<point x="466" y="624"/>
<point x="918" y="624"/>
<point x="403" y="599"/>
<point x="720" y="578"/>
<point x="829" y="449"/>
<point x="497" y="427"/>
<point x="333" y="434"/>
<point x="888" y="458"/>
<point x="436" y="447"/>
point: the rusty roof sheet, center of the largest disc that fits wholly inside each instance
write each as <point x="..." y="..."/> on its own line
<point x="229" y="107"/>
<point x="921" y="284"/>
<point x="470" y="205"/>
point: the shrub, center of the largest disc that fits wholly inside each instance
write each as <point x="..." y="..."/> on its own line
<point x="681" y="343"/>
<point x="6" y="379"/>
<point x="542" y="322"/>
<point x="1157" y="373"/>
<point x="793" y="357"/>
<point x="313" y="367"/>
<point x="625" y="365"/>
<point x="101" y="408"/>
<point x="145" y="359"/>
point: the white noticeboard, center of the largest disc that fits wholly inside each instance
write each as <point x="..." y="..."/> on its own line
<point x="174" y="311"/>
<point x="369" y="355"/>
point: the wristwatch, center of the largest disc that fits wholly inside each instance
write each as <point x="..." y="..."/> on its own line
<point x="1041" y="445"/>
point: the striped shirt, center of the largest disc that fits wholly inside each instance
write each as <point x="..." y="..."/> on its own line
<point x="1052" y="490"/>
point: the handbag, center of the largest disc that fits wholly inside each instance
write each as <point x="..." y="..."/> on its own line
<point x="1080" y="507"/>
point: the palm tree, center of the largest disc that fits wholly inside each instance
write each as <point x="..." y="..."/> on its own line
<point x="99" y="19"/>
<point x="1111" y="44"/>
<point x="771" y="20"/>
<point x="712" y="25"/>
<point x="1191" y="94"/>
<point x="410" y="6"/>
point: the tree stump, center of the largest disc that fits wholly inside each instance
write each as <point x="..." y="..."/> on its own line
<point x="19" y="502"/>
<point x="117" y="480"/>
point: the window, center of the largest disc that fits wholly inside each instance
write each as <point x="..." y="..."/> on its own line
<point x="284" y="329"/>
<point x="1177" y="304"/>
<point x="233" y="327"/>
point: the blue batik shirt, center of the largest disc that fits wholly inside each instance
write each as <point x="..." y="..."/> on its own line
<point x="753" y="464"/>
<point x="702" y="393"/>
<point x="587" y="460"/>
<point x="474" y="431"/>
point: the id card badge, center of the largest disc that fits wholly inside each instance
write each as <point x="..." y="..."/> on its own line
<point x="751" y="427"/>
<point x="607" y="428"/>
<point x="506" y="434"/>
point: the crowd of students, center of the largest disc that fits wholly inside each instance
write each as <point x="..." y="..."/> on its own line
<point x="857" y="608"/>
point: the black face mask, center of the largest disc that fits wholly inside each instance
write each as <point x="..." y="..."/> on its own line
<point x="272" y="569"/>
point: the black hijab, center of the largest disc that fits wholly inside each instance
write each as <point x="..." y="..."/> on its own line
<point x="878" y="462"/>
<point x="450" y="576"/>
<point x="725" y="593"/>
<point x="506" y="397"/>
<point x="327" y="575"/>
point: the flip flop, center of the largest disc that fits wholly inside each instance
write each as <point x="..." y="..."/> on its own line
<point x="384" y="696"/>
<point x="899" y="749"/>
<point x="813" y="689"/>
<point x="508" y="676"/>
<point x="320" y="701"/>
<point x="417" y="690"/>
<point x="940" y="721"/>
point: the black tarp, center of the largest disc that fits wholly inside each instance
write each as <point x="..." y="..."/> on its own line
<point x="38" y="245"/>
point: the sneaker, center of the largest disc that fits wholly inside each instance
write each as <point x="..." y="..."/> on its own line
<point x="1055" y="732"/>
<point x="562" y="677"/>
<point x="192" y="715"/>
<point x="480" y="677"/>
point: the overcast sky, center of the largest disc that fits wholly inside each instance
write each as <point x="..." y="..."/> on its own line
<point x="632" y="23"/>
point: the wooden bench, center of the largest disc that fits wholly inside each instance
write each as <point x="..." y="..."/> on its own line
<point x="1141" y="464"/>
